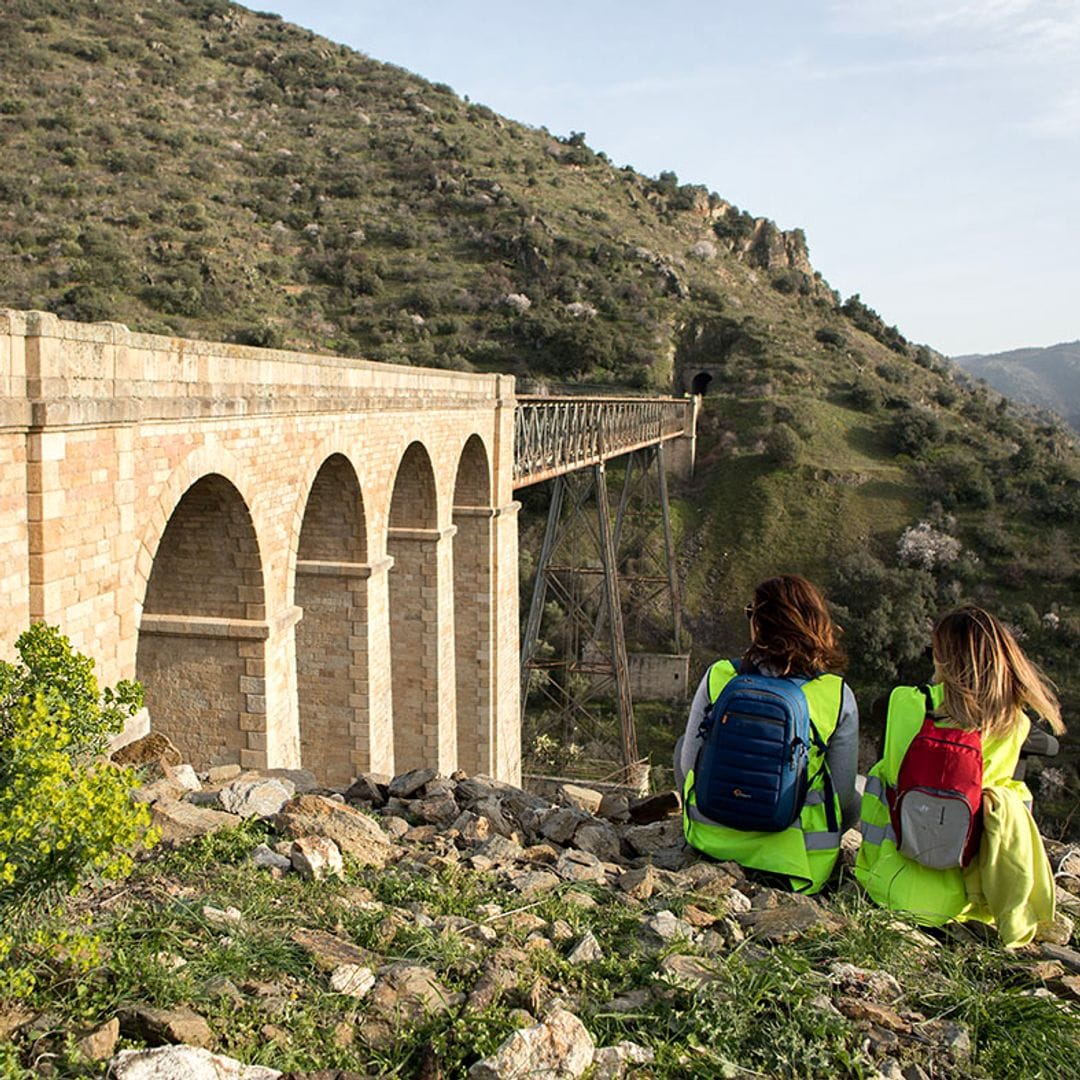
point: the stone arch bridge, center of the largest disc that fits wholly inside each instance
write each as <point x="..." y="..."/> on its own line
<point x="305" y="559"/>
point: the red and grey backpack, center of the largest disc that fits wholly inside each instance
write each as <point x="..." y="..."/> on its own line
<point x="936" y="804"/>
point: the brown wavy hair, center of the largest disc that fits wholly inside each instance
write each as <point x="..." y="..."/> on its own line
<point x="791" y="629"/>
<point x="986" y="676"/>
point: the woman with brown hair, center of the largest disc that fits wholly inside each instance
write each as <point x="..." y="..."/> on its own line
<point x="794" y="656"/>
<point x="981" y="857"/>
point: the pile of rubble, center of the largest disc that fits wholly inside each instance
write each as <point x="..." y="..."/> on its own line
<point x="419" y="822"/>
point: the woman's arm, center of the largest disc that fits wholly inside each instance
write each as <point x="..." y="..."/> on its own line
<point x="691" y="743"/>
<point x="842" y="756"/>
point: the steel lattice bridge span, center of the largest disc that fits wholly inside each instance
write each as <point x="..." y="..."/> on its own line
<point x="307" y="560"/>
<point x="557" y="435"/>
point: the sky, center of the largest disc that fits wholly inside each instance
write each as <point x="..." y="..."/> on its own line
<point x="930" y="149"/>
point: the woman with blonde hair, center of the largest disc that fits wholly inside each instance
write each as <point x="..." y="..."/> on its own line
<point x="983" y="683"/>
<point x="794" y="650"/>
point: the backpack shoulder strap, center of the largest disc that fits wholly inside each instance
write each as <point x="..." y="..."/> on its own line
<point x="925" y="688"/>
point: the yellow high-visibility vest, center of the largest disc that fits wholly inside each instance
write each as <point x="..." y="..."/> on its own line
<point x="893" y="880"/>
<point x="806" y="851"/>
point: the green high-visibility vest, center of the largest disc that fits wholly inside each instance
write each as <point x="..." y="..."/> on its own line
<point x="893" y="880"/>
<point x="806" y="852"/>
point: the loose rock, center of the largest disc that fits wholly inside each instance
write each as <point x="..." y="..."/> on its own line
<point x="184" y="1063"/>
<point x="555" y="1049"/>
<point x="354" y="832"/>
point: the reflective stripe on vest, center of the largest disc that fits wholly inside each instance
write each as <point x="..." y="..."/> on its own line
<point x="875" y="787"/>
<point x="875" y="834"/>
<point x="813" y="841"/>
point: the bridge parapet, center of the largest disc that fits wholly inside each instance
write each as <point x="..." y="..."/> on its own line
<point x="553" y="436"/>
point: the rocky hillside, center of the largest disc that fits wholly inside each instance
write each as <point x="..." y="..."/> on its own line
<point x="197" y="168"/>
<point x="1047" y="378"/>
<point x="425" y="926"/>
<point x="200" y="169"/>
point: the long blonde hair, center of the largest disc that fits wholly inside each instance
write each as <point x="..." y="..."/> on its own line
<point x="987" y="677"/>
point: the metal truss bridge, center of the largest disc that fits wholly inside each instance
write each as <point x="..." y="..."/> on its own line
<point x="598" y="573"/>
<point x="557" y="435"/>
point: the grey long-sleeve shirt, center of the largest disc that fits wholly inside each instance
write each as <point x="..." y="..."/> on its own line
<point x="841" y="751"/>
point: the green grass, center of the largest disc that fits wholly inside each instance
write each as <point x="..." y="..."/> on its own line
<point x="762" y="1013"/>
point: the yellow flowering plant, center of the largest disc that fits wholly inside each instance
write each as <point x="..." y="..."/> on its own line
<point x="66" y="813"/>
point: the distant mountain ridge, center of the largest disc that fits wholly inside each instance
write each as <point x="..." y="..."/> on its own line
<point x="1048" y="378"/>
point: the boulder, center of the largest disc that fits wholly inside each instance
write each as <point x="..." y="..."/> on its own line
<point x="583" y="798"/>
<point x="100" y="1043"/>
<point x="654" y="808"/>
<point x="330" y="952"/>
<point x="315" y="858"/>
<point x="408" y="991"/>
<point x="354" y="832"/>
<point x="586" y="951"/>
<point x="352" y="980"/>
<point x="639" y="884"/>
<point x="369" y="788"/>
<point x="599" y="839"/>
<point x="255" y="796"/>
<point x="613" y="1062"/>
<point x="560" y="825"/>
<point x="180" y="821"/>
<point x="652" y="839"/>
<point x="152" y="747"/>
<point x="409" y="783"/>
<point x="694" y="971"/>
<point x="222" y="774"/>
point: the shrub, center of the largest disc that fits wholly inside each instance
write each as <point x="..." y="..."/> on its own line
<point x="65" y="813"/>
<point x="792" y="281"/>
<point x="945" y="395"/>
<point x="866" y="395"/>
<point x="914" y="431"/>
<point x="924" y="546"/>
<point x="783" y="445"/>
<point x="827" y="336"/>
<point x="893" y="373"/>
<point x="954" y="478"/>
<point x="888" y="614"/>
<point x="262" y="336"/>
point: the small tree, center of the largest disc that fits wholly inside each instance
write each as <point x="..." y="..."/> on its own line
<point x="66" y="813"/>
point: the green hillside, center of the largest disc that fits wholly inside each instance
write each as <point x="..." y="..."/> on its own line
<point x="196" y="168"/>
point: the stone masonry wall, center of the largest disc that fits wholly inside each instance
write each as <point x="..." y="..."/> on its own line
<point x="102" y="435"/>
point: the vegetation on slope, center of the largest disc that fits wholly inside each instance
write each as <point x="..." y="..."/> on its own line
<point x="199" y="169"/>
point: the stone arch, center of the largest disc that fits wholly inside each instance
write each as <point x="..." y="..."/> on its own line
<point x="414" y="504"/>
<point x="203" y="461"/>
<point x="413" y="544"/>
<point x="332" y="576"/>
<point x="473" y="608"/>
<point x="202" y="635"/>
<point x="700" y="383"/>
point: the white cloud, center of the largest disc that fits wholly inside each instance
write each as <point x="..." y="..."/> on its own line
<point x="1045" y="30"/>
<point x="1061" y="118"/>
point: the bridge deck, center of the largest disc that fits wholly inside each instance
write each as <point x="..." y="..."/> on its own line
<point x="553" y="436"/>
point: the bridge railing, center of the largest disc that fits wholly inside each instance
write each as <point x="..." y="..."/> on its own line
<point x="553" y="436"/>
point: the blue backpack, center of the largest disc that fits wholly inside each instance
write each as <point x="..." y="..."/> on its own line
<point x="752" y="771"/>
